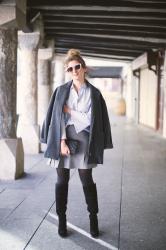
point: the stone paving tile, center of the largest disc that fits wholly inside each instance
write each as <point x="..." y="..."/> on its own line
<point x="47" y="238"/>
<point x="18" y="228"/>
<point x="131" y="189"/>
<point x="143" y="218"/>
<point x="2" y="189"/>
<point x="10" y="198"/>
<point x="15" y="233"/>
<point x="4" y="212"/>
<point x="31" y="161"/>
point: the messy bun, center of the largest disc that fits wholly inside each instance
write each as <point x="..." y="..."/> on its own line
<point x="74" y="54"/>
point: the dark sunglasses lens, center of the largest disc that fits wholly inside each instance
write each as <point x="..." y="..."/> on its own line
<point x="77" y="67"/>
<point x="70" y="69"/>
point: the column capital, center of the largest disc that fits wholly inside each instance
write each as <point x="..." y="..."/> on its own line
<point x="45" y="53"/>
<point x="13" y="14"/>
<point x="28" y="41"/>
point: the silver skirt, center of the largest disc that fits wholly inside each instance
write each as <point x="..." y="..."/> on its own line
<point x="78" y="160"/>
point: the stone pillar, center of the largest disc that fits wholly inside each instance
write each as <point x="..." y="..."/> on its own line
<point x="28" y="127"/>
<point x="59" y="71"/>
<point x="164" y="80"/>
<point x="11" y="148"/>
<point x="44" y="84"/>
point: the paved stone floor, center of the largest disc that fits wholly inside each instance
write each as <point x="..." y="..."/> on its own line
<point x="132" y="199"/>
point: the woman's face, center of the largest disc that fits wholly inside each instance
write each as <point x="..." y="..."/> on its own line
<point x="76" y="70"/>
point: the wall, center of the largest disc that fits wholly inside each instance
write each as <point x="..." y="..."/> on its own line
<point x="148" y="98"/>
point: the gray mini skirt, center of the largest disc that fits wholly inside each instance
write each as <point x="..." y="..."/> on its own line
<point x="80" y="159"/>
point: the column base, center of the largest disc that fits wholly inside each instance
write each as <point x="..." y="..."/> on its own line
<point x="30" y="137"/>
<point x="43" y="147"/>
<point x="11" y="158"/>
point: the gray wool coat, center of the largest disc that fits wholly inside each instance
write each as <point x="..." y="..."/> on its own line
<point x="100" y="131"/>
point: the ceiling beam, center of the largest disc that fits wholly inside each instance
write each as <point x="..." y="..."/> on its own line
<point x="104" y="27"/>
<point x="113" y="3"/>
<point x="107" y="14"/>
<point x="98" y="32"/>
<point x="126" y="39"/>
<point x="97" y="46"/>
<point x="105" y="21"/>
<point x="100" y="55"/>
<point x="148" y="1"/>
<point x="106" y="56"/>
<point x="100" y="50"/>
<point x="107" y="41"/>
<point x="112" y="29"/>
<point x="160" y="9"/>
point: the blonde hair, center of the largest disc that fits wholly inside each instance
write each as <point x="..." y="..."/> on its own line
<point x="74" y="54"/>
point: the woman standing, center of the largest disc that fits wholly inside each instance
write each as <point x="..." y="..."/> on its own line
<point x="77" y="111"/>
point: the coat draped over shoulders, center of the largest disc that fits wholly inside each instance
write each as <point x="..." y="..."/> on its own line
<point x="100" y="137"/>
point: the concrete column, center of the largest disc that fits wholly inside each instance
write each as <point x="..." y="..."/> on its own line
<point x="44" y="83"/>
<point x="59" y="71"/>
<point x="164" y="80"/>
<point x="11" y="148"/>
<point x="28" y="127"/>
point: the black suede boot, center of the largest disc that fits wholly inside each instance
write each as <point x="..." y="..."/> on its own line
<point x="90" y="192"/>
<point x="61" y="207"/>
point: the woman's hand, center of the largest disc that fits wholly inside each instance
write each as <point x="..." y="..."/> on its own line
<point x="64" y="148"/>
<point x="66" y="109"/>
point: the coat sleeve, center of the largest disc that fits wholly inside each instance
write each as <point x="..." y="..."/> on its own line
<point x="46" y="123"/>
<point x="106" y="125"/>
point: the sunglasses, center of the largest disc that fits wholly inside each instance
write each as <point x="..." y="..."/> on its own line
<point x="76" y="67"/>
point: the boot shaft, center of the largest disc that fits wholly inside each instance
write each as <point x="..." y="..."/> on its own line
<point x="61" y="197"/>
<point x="90" y="192"/>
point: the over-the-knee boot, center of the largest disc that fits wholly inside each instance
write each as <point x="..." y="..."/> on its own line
<point x="90" y="192"/>
<point x="61" y="194"/>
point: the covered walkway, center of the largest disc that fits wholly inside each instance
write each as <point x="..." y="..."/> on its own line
<point x="131" y="193"/>
<point x="127" y="38"/>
